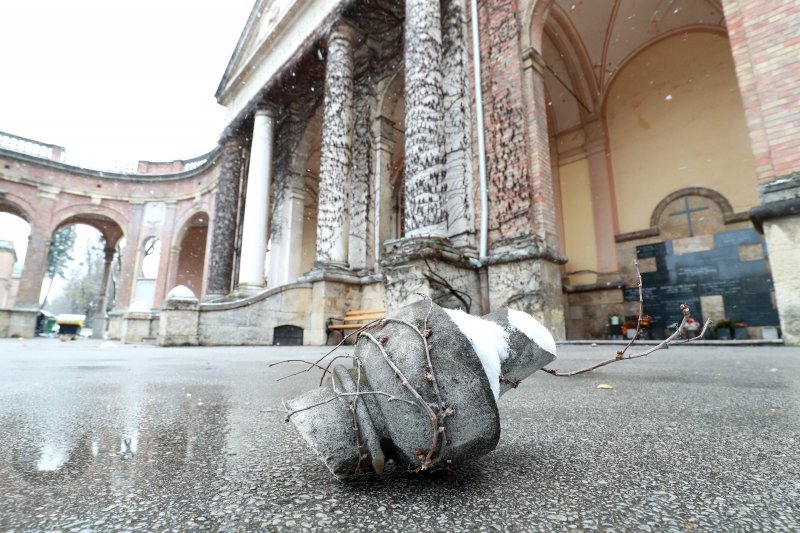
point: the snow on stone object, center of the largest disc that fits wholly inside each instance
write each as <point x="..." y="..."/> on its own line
<point x="181" y="292"/>
<point x="488" y="339"/>
<point x="533" y="329"/>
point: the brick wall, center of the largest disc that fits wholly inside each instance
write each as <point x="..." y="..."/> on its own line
<point x="765" y="40"/>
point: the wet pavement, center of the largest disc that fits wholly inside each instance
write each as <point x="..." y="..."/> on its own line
<point x="104" y="436"/>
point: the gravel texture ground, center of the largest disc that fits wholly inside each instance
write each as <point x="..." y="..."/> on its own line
<point x="101" y="436"/>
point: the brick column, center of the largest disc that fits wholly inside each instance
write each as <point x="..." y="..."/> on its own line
<point x="336" y="156"/>
<point x="26" y="306"/>
<point x="223" y="223"/>
<point x="765" y="41"/>
<point x="538" y="147"/>
<point x="425" y="214"/>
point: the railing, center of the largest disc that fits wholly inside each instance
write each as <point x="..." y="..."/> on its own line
<point x="52" y="152"/>
<point x="22" y="145"/>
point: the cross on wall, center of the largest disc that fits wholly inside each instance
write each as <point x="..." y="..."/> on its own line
<point x="688" y="213"/>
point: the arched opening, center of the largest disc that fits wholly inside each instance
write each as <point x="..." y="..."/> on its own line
<point x="392" y="149"/>
<point x="14" y="233"/>
<point x="147" y="272"/>
<point x="644" y="106"/>
<point x="78" y="274"/>
<point x="192" y="253"/>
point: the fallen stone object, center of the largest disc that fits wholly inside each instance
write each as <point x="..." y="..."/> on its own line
<point x="422" y="390"/>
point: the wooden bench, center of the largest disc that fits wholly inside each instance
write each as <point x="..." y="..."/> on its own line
<point x="353" y="320"/>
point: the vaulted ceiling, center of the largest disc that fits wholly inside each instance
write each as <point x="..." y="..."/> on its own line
<point x="586" y="42"/>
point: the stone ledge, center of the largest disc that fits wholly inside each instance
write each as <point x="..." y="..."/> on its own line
<point x="401" y="251"/>
<point x="773" y="210"/>
<point x="243" y="302"/>
<point x="522" y="248"/>
<point x="341" y="276"/>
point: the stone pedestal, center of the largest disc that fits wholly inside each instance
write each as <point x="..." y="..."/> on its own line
<point x="136" y="325"/>
<point x="115" y="320"/>
<point x="778" y="218"/>
<point x="525" y="274"/>
<point x="333" y="293"/>
<point x="433" y="267"/>
<point x="180" y="315"/>
<point x="22" y="323"/>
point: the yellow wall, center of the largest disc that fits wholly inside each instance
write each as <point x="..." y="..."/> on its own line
<point x="576" y="205"/>
<point x="675" y="120"/>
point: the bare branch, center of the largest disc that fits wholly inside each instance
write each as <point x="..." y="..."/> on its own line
<point x="672" y="340"/>
<point x="425" y="462"/>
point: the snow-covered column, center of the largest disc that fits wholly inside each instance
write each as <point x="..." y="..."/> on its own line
<point x="361" y="189"/>
<point x="424" y="154"/>
<point x="337" y="140"/>
<point x="223" y="236"/>
<point x="257" y="202"/>
<point x="99" y="322"/>
<point x="457" y="124"/>
<point x="286" y="246"/>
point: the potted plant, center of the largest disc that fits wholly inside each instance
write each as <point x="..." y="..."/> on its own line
<point x="740" y="330"/>
<point x="723" y="329"/>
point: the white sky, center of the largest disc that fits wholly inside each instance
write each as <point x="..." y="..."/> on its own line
<point x="115" y="80"/>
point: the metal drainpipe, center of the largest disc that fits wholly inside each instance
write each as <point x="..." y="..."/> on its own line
<point x="483" y="274"/>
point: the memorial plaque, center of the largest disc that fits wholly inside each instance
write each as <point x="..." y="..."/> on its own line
<point x="745" y="286"/>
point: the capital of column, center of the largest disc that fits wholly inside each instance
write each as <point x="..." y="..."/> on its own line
<point x="595" y="136"/>
<point x="345" y="29"/>
<point x="265" y="110"/>
<point x="531" y="59"/>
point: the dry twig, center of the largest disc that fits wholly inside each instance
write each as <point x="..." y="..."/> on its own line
<point x="663" y="345"/>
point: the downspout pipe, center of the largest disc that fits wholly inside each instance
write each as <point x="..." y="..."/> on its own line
<point x="483" y="274"/>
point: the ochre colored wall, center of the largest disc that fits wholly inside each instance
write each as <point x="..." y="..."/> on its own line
<point x="576" y="205"/>
<point x="675" y="119"/>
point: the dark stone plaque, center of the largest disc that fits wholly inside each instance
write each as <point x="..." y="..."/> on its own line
<point x="745" y="286"/>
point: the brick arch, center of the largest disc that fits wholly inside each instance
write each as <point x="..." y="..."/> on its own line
<point x="188" y="265"/>
<point x="112" y="224"/>
<point x="16" y="205"/>
<point x="533" y="24"/>
<point x="724" y="205"/>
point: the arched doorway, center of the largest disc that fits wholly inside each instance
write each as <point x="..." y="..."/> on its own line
<point x="644" y="103"/>
<point x="78" y="276"/>
<point x="192" y="253"/>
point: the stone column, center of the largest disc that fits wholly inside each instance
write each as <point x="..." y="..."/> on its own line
<point x="223" y="234"/>
<point x="361" y="186"/>
<point x="99" y="323"/>
<point x="286" y="251"/>
<point x="425" y="215"/>
<point x="257" y="200"/>
<point x="457" y="125"/>
<point x="336" y="156"/>
<point x="603" y="199"/>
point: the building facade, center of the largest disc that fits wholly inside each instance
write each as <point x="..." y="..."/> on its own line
<point x="361" y="163"/>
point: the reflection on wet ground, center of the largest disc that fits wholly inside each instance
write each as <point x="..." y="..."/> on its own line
<point x="156" y="438"/>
